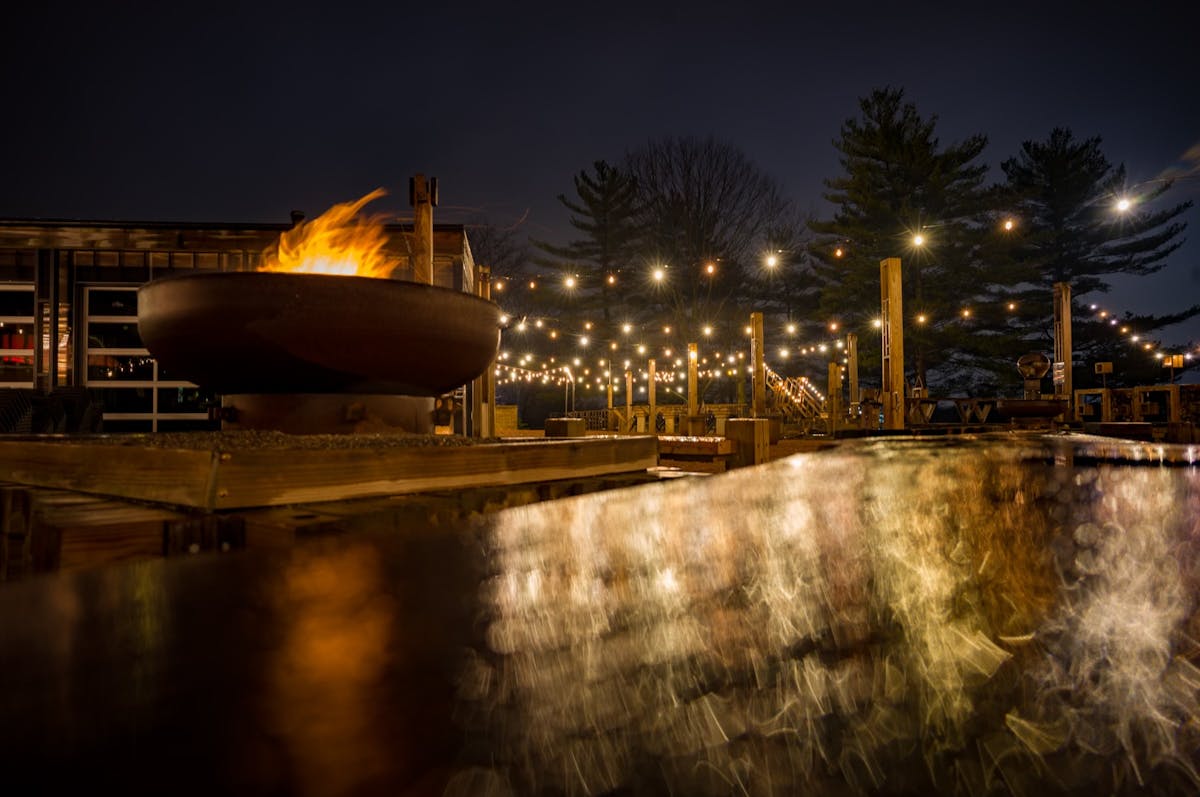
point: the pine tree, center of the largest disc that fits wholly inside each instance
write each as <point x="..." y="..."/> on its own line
<point x="899" y="182"/>
<point x="605" y="214"/>
<point x="1064" y="192"/>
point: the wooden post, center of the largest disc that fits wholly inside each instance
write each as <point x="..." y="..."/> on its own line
<point x="483" y="389"/>
<point x="422" y="198"/>
<point x="834" y="394"/>
<point x="892" y="311"/>
<point x="852" y="367"/>
<point x="759" y="407"/>
<point x="1061" y="368"/>
<point x="692" y="364"/>
<point x="608" y="419"/>
<point x="753" y="438"/>
<point x="629" y="425"/>
<point x="652" y="389"/>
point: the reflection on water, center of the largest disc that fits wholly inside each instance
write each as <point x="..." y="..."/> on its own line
<point x="905" y="618"/>
<point x="325" y="677"/>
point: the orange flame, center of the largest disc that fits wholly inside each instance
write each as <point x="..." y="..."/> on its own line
<point x="338" y="242"/>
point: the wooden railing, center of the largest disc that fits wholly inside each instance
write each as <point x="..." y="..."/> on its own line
<point x="796" y="399"/>
<point x="669" y="418"/>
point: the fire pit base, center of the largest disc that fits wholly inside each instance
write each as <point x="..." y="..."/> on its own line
<point x="327" y="413"/>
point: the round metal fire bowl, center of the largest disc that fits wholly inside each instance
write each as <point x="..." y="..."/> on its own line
<point x="267" y="332"/>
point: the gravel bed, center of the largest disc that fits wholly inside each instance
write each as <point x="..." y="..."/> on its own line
<point x="243" y="440"/>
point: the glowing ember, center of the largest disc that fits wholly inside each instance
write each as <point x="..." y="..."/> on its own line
<point x="338" y="242"/>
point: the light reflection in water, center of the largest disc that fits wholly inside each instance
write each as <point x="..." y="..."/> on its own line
<point x="951" y="619"/>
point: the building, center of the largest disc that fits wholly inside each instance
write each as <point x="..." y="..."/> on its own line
<point x="68" y="307"/>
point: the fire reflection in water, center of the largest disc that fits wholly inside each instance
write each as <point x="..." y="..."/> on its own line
<point x="957" y="619"/>
<point x="324" y="687"/>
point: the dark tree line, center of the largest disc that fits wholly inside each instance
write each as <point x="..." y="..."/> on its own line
<point x="689" y="234"/>
<point x="978" y="290"/>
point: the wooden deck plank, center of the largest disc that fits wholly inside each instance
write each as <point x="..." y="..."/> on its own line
<point x="170" y="476"/>
<point x="274" y="478"/>
<point x="210" y="479"/>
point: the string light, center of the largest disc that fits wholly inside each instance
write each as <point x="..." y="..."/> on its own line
<point x="1100" y="315"/>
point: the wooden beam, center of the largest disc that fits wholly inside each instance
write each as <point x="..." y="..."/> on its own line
<point x="213" y="479"/>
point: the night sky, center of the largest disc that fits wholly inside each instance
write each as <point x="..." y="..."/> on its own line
<point x="144" y="112"/>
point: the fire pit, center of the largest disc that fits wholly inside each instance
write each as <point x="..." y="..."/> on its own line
<point x="265" y="332"/>
<point x="321" y="338"/>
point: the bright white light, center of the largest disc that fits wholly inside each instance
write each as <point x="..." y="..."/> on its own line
<point x="659" y="275"/>
<point x="918" y="240"/>
<point x="569" y="282"/>
<point x="1123" y="204"/>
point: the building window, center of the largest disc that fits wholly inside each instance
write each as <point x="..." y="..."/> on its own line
<point x="16" y="334"/>
<point x="123" y="377"/>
